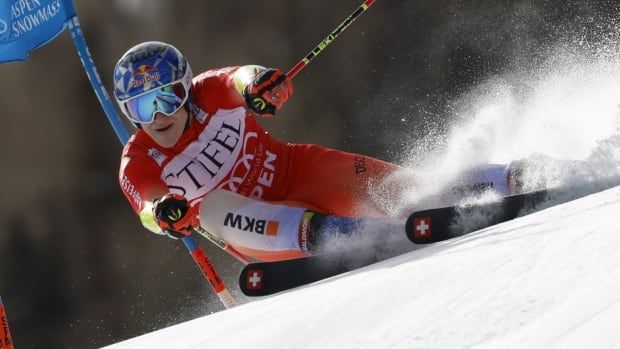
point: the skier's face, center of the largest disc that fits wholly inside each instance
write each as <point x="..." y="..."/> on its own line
<point x="166" y="130"/>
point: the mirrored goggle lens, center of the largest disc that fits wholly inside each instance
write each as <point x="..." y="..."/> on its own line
<point x="166" y="99"/>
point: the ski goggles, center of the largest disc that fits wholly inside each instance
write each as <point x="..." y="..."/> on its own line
<point x="167" y="100"/>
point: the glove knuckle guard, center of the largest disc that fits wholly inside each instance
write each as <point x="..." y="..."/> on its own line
<point x="257" y="93"/>
<point x="171" y="212"/>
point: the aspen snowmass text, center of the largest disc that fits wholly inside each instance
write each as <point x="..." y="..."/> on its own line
<point x="30" y="14"/>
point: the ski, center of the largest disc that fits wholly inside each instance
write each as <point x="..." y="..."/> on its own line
<point x="439" y="224"/>
<point x="266" y="278"/>
<point x="422" y="227"/>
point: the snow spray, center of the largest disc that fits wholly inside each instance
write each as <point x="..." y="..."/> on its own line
<point x="563" y="108"/>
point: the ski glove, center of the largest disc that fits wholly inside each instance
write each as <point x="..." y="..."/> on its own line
<point x="175" y="216"/>
<point x="268" y="92"/>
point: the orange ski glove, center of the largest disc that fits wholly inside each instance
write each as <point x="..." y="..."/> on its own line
<point x="268" y="92"/>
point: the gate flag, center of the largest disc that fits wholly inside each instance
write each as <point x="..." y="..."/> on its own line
<point x="29" y="24"/>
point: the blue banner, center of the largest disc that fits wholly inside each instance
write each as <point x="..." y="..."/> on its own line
<point x="28" y="24"/>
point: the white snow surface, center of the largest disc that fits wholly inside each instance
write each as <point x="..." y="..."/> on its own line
<point x="546" y="280"/>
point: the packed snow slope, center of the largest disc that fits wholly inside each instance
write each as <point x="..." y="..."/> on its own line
<point x="547" y="280"/>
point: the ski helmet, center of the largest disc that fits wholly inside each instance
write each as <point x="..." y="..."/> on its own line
<point x="151" y="77"/>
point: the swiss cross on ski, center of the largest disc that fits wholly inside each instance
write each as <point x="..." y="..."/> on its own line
<point x="422" y="227"/>
<point x="255" y="279"/>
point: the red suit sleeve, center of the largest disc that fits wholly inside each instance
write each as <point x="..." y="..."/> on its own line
<point x="140" y="181"/>
<point x="215" y="89"/>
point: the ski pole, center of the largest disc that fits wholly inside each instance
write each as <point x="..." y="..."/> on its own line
<point x="203" y="262"/>
<point x="328" y="40"/>
<point x="198" y="253"/>
<point x="222" y="244"/>
<point x="5" y="335"/>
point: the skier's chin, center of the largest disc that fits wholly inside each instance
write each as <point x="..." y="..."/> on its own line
<point x="168" y="139"/>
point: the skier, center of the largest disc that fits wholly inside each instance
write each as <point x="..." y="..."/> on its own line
<point x="199" y="135"/>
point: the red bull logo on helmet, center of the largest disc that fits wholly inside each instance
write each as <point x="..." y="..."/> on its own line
<point x="144" y="74"/>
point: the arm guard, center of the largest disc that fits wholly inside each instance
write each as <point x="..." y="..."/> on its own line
<point x="148" y="219"/>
